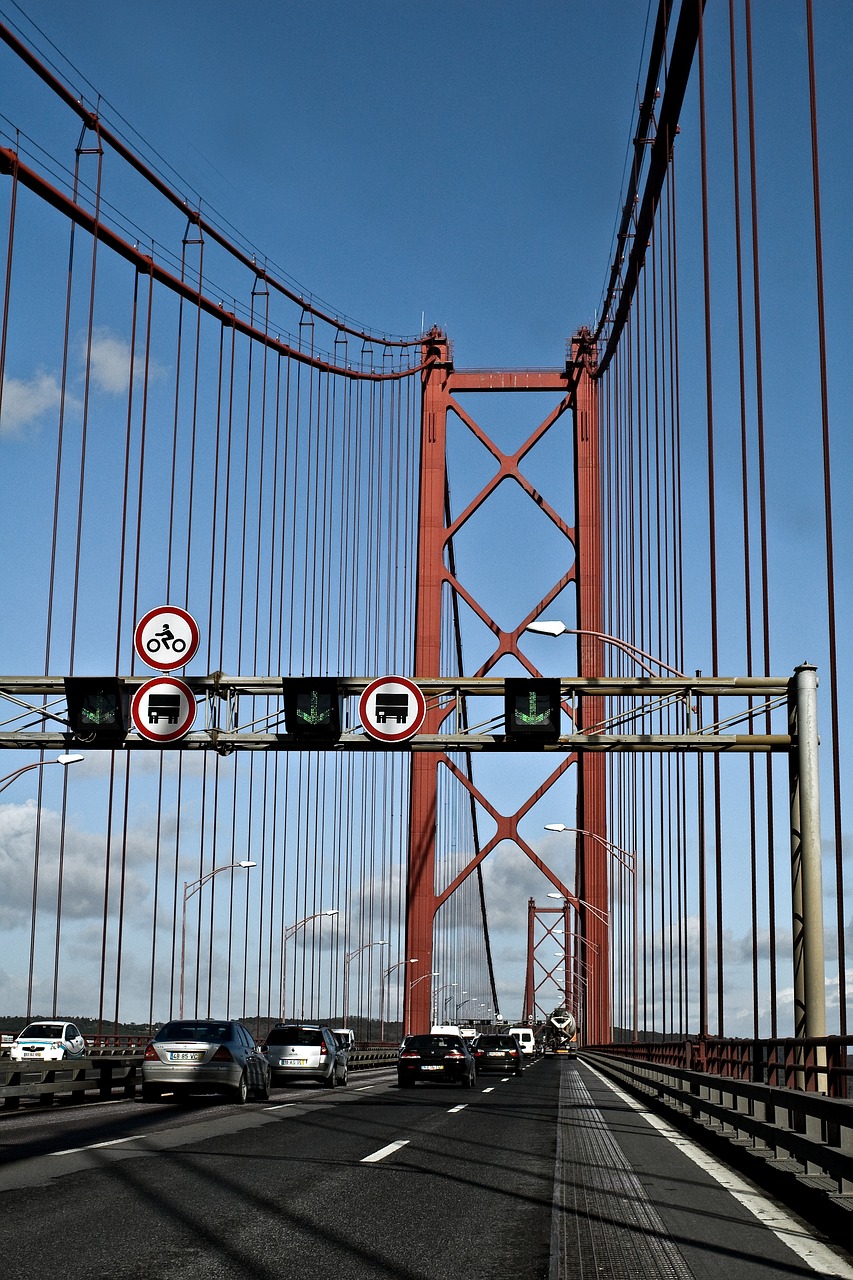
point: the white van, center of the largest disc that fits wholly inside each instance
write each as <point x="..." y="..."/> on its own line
<point x="439" y="1030"/>
<point x="525" y="1038"/>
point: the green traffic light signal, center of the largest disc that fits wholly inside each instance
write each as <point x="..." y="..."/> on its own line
<point x="97" y="707"/>
<point x="532" y="709"/>
<point x="312" y="707"/>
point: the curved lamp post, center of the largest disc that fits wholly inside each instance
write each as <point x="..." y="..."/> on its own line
<point x="289" y="931"/>
<point x="350" y="955"/>
<point x="437" y="993"/>
<point x="554" y="628"/>
<point x="9" y="778"/>
<point x="627" y="858"/>
<point x="436" y="973"/>
<point x="382" y="980"/>
<point x="191" y="888"/>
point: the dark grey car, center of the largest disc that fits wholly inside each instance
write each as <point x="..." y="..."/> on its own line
<point x="305" y="1051"/>
<point x="204" y="1055"/>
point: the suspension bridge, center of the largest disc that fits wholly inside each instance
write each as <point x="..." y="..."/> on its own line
<point x="612" y="595"/>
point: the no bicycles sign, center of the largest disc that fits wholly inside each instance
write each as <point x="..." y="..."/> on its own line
<point x="166" y="638"/>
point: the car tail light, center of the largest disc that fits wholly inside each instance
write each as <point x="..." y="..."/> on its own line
<point x="513" y="1053"/>
<point x="150" y="1053"/>
<point x="222" y="1054"/>
<point x="411" y="1053"/>
<point x="454" y="1053"/>
<point x="323" y="1050"/>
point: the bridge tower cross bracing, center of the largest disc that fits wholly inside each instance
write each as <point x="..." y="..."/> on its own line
<point x="579" y="393"/>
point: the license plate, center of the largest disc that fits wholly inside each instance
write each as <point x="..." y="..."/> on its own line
<point x="430" y="1068"/>
<point x="495" y="1053"/>
<point x="186" y="1057"/>
<point x="32" y="1053"/>
<point x="294" y="1062"/>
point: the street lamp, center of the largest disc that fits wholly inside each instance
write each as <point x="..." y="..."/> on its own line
<point x="461" y="1005"/>
<point x="289" y="931"/>
<point x="449" y="998"/>
<point x="350" y="955"/>
<point x="603" y="916"/>
<point x="382" y="979"/>
<point x="436" y="973"/>
<point x="642" y="659"/>
<point x="9" y="778"/>
<point x="189" y="889"/>
<point x="437" y="993"/>
<point x="619" y="854"/>
<point x="627" y="858"/>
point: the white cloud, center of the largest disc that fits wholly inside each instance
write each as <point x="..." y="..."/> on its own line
<point x="27" y="400"/>
<point x="82" y="870"/>
<point x="110" y="363"/>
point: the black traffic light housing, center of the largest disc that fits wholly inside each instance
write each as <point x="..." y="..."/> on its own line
<point x="532" y="710"/>
<point x="97" y="708"/>
<point x="312" y="707"/>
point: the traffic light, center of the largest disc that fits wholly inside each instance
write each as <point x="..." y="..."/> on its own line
<point x="97" y="707"/>
<point x="532" y="709"/>
<point x="312" y="707"/>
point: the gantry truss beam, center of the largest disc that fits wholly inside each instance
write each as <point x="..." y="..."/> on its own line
<point x="246" y="713"/>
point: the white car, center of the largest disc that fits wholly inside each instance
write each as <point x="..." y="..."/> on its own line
<point x="48" y="1042"/>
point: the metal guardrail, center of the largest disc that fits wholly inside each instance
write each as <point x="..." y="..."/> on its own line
<point x="106" y="1069"/>
<point x="818" y="1064"/>
<point x="804" y="1137"/>
<point x="69" y="1079"/>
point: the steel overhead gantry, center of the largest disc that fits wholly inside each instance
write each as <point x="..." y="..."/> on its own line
<point x="40" y="700"/>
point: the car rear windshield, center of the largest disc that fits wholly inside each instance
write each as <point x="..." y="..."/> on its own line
<point x="310" y="1036"/>
<point x="204" y="1031"/>
<point x="43" y="1031"/>
<point x="430" y="1044"/>
<point x="497" y="1042"/>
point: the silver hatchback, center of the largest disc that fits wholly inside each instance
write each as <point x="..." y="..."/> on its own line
<point x="201" y="1055"/>
<point x="305" y="1051"/>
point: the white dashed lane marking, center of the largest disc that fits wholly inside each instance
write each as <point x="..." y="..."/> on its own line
<point x="385" y="1151"/>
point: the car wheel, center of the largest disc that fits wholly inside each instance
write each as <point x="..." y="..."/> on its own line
<point x="262" y="1093"/>
<point x="345" y="1081"/>
<point x="331" y="1079"/>
<point x="150" y="1093"/>
<point x="241" y="1092"/>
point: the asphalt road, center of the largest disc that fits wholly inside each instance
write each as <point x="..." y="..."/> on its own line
<point x="550" y="1175"/>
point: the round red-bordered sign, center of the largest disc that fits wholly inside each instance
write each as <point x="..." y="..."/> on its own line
<point x="166" y="637"/>
<point x="392" y="709"/>
<point x="163" y="709"/>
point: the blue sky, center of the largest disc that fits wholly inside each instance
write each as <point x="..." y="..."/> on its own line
<point x="461" y="164"/>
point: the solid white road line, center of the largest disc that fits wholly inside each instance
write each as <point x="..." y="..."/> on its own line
<point x="460" y="1107"/>
<point x="279" y="1106"/>
<point x="385" y="1151"/>
<point x="785" y="1228"/>
<point x="490" y="1089"/>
